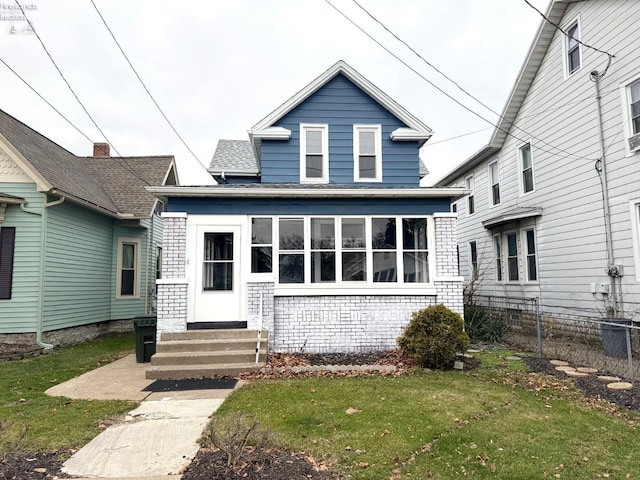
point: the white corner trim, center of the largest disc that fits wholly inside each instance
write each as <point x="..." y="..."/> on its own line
<point x="445" y="215"/>
<point x="174" y="214"/>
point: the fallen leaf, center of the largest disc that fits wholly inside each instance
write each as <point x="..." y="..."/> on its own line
<point x="351" y="411"/>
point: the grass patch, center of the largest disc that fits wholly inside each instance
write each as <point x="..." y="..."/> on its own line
<point x="55" y="423"/>
<point x="493" y="422"/>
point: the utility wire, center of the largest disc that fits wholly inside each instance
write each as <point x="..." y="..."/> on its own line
<point x="142" y="83"/>
<point x="429" y="144"/>
<point x="569" y="155"/>
<point x="45" y="100"/>
<point x="119" y="157"/>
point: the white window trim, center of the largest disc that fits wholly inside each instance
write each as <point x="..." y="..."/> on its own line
<point x="340" y="287"/>
<point x="377" y="130"/>
<point x="138" y="266"/>
<point x="490" y="182"/>
<point x="497" y="239"/>
<point x="525" y="255"/>
<point x="521" y="168"/>
<point x="324" y="128"/>
<point x="263" y="276"/>
<point x="565" y="47"/>
<point x="473" y="193"/>
<point x="625" y="100"/>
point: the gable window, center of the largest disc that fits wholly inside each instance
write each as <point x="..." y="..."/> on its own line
<point x="470" y="199"/>
<point x="574" y="60"/>
<point x="367" y="153"/>
<point x="314" y="153"/>
<point x="497" y="246"/>
<point x="512" y="257"/>
<point x="128" y="279"/>
<point x="7" y="245"/>
<point x="218" y="262"/>
<point x="261" y="245"/>
<point x="532" y="270"/>
<point x="473" y="249"/>
<point x="526" y="168"/>
<point x="494" y="177"/>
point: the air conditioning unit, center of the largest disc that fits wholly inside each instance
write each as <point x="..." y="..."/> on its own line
<point x="634" y="142"/>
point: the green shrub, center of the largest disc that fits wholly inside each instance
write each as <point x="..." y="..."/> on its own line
<point x="481" y="326"/>
<point x="434" y="336"/>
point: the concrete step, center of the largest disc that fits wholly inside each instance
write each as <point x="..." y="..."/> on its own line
<point x="207" y="358"/>
<point x="178" y="372"/>
<point x="214" y="334"/>
<point x="223" y="345"/>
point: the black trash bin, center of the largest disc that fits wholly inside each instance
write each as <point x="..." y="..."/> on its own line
<point x="145" y="332"/>
<point x="614" y="337"/>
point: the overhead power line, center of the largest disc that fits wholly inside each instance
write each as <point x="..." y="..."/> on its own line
<point x="119" y="157"/>
<point x="142" y="83"/>
<point x="507" y="132"/>
<point x="45" y="100"/>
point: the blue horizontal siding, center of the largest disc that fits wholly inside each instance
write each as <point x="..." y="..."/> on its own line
<point x="340" y="104"/>
<point x="320" y="206"/>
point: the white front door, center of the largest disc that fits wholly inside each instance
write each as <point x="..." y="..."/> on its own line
<point x="217" y="288"/>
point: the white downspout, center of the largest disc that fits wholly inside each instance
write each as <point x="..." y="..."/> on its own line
<point x="43" y="242"/>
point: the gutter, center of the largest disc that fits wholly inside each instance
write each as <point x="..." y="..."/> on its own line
<point x="43" y="242"/>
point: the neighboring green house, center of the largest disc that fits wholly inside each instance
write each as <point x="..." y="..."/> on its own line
<point x="80" y="238"/>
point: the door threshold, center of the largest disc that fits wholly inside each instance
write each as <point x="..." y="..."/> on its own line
<point x="215" y="325"/>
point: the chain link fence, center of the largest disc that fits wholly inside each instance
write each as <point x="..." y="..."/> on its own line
<point x="612" y="346"/>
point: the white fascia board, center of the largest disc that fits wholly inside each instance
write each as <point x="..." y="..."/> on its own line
<point x="368" y="87"/>
<point x="293" y="192"/>
<point x="410" y="135"/>
<point x="272" y="133"/>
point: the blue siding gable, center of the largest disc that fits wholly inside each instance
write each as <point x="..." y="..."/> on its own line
<point x="340" y="104"/>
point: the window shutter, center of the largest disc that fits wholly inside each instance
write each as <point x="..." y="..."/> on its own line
<point x="7" y="242"/>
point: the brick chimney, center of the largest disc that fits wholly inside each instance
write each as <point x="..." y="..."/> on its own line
<point x="101" y="150"/>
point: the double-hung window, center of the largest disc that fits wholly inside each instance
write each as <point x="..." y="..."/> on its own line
<point x="383" y="236"/>
<point x="128" y="273"/>
<point x="526" y="168"/>
<point x="471" y="204"/>
<point x="354" y="250"/>
<point x="532" y="269"/>
<point x="574" y="58"/>
<point x="291" y="245"/>
<point x="494" y="177"/>
<point x="323" y="250"/>
<point x="631" y="97"/>
<point x="314" y="153"/>
<point x="414" y="243"/>
<point x="7" y="245"/>
<point x="512" y="257"/>
<point x="634" y="96"/>
<point x="473" y="250"/>
<point x="497" y="248"/>
<point x="367" y="153"/>
<point x="261" y="245"/>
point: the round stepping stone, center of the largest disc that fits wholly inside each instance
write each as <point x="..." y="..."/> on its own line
<point x="559" y="363"/>
<point x="608" y="378"/>
<point x="620" y="386"/>
<point x="587" y="370"/>
<point x="565" y="368"/>
<point x="576" y="374"/>
<point x="513" y="358"/>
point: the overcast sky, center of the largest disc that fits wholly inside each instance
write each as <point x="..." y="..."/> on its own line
<point x="218" y="67"/>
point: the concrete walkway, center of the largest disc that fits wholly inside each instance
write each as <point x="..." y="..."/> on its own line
<point x="157" y="439"/>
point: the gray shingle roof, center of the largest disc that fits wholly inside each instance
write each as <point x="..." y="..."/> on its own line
<point x="101" y="184"/>
<point x="234" y="156"/>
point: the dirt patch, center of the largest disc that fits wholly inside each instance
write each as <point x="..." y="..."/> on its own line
<point x="36" y="466"/>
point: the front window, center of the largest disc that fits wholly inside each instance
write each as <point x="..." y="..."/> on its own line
<point x="261" y="245"/>
<point x="7" y="245"/>
<point x="367" y="153"/>
<point x="352" y="251"/>
<point x="573" y="48"/>
<point x="494" y="175"/>
<point x="470" y="199"/>
<point x="532" y="270"/>
<point x="512" y="257"/>
<point x="314" y="154"/>
<point x="526" y="164"/>
<point x="498" y="254"/>
<point x="127" y="283"/>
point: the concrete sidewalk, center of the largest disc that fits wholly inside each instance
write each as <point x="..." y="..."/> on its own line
<point x="157" y="439"/>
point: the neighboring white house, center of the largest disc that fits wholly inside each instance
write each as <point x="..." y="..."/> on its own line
<point x="554" y="211"/>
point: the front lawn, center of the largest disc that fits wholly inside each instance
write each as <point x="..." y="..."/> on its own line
<point x="498" y="421"/>
<point x="54" y="423"/>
